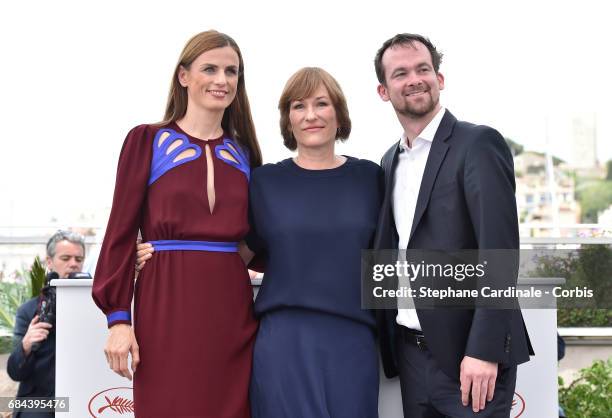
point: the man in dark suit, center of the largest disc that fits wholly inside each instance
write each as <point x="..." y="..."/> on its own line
<point x="449" y="186"/>
<point x="32" y="366"/>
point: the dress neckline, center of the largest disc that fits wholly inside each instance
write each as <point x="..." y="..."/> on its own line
<point x="195" y="139"/>
<point x="325" y="172"/>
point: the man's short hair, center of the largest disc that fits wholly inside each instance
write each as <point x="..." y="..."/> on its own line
<point x="405" y="39"/>
<point x="303" y="84"/>
<point x="61" y="235"/>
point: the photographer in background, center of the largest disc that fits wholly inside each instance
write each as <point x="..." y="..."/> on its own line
<point x="32" y="361"/>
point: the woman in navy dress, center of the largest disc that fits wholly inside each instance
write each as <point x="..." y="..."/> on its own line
<point x="315" y="354"/>
<point x="183" y="183"/>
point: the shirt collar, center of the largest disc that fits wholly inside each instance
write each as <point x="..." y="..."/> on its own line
<point x="429" y="132"/>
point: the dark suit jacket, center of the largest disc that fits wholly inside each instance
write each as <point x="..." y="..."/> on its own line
<point x="36" y="372"/>
<point x="466" y="201"/>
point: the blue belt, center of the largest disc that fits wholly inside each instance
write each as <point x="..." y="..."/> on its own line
<point x="174" y="245"/>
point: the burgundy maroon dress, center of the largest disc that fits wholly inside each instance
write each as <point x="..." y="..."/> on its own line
<point x="193" y="313"/>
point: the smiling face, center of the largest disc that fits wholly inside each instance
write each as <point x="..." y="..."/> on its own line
<point x="211" y="79"/>
<point x="313" y="120"/>
<point x="411" y="84"/>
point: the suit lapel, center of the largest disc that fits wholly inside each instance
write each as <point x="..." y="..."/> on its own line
<point x="389" y="167"/>
<point x="438" y="150"/>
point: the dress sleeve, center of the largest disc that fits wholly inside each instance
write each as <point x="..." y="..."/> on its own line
<point x="113" y="285"/>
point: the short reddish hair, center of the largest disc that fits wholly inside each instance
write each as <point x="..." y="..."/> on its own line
<point x="303" y="84"/>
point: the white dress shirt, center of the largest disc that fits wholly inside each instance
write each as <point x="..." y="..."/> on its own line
<point x="408" y="175"/>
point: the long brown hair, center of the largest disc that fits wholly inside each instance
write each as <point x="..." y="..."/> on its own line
<point x="237" y="120"/>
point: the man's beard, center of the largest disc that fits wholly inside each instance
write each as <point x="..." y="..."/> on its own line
<point x="411" y="111"/>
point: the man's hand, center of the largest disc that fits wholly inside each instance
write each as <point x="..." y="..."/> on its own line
<point x="245" y="253"/>
<point x="37" y="331"/>
<point x="122" y="341"/>
<point x="144" y="251"/>
<point x="478" y="378"/>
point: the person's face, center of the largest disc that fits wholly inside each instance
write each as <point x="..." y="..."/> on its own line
<point x="212" y="79"/>
<point x="411" y="84"/>
<point x="68" y="259"/>
<point x="313" y="120"/>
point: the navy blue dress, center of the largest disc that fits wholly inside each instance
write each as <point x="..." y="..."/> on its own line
<point x="315" y="354"/>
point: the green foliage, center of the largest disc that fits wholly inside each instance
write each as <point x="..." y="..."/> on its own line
<point x="609" y="170"/>
<point x="591" y="267"/>
<point x="536" y="169"/>
<point x="556" y="160"/>
<point x="584" y="317"/>
<point x="37" y="277"/>
<point x="594" y="269"/>
<point x="13" y="295"/>
<point x="590" y="395"/>
<point x="594" y="197"/>
<point x="515" y="147"/>
<point x="6" y="344"/>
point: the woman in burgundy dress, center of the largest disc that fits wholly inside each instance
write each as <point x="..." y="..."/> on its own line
<point x="183" y="183"/>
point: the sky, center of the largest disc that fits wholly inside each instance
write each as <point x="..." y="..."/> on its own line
<point x="76" y="76"/>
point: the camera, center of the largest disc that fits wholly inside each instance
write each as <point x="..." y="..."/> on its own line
<point x="46" y="306"/>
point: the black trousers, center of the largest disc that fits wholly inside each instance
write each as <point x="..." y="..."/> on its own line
<point x="428" y="392"/>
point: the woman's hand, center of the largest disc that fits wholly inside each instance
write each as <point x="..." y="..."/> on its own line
<point x="120" y="342"/>
<point x="144" y="251"/>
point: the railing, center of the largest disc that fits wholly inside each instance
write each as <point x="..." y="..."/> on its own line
<point x="19" y="244"/>
<point x="542" y="232"/>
